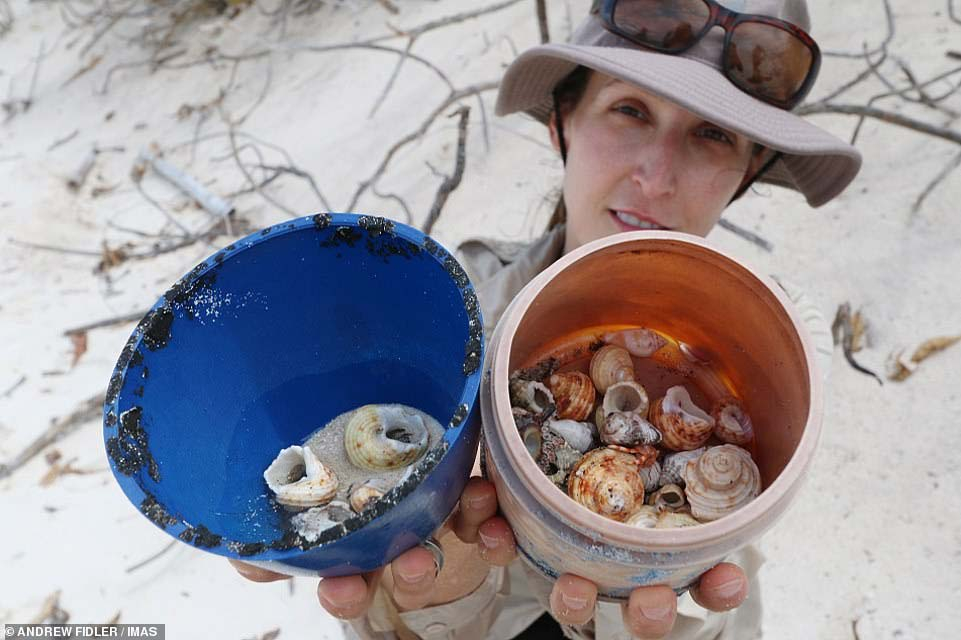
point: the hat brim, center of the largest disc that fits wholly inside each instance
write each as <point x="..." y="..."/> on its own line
<point x="814" y="162"/>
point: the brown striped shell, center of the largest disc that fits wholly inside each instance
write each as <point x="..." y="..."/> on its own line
<point x="609" y="365"/>
<point x="573" y="395"/>
<point x="722" y="480"/>
<point x="732" y="425"/>
<point x="683" y="425"/>
<point x="383" y="437"/>
<point x="607" y="482"/>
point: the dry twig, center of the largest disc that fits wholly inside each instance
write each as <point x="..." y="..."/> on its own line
<point x="87" y="411"/>
<point x="750" y="236"/>
<point x="64" y="140"/>
<point x="948" y="168"/>
<point x="451" y="182"/>
<point x="170" y="545"/>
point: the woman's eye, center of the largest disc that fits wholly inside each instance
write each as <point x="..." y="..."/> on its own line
<point x="631" y="111"/>
<point x="713" y="133"/>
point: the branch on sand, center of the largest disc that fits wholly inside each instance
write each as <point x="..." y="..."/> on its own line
<point x="87" y="411"/>
<point x="451" y="182"/>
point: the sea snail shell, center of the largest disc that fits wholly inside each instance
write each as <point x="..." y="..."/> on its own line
<point x="299" y="479"/>
<point x="531" y="395"/>
<point x="573" y="394"/>
<point x="639" y="342"/>
<point x="607" y="482"/>
<point x="628" y="430"/>
<point x="683" y="425"/>
<point x="648" y="517"/>
<point x="385" y="437"/>
<point x="722" y="480"/>
<point x="626" y="396"/>
<point x="731" y="423"/>
<point x="609" y="365"/>
<point x="673" y="465"/>
<point x="364" y="495"/>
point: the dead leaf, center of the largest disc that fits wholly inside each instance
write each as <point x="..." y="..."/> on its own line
<point x="900" y="368"/>
<point x="110" y="257"/>
<point x="859" y="328"/>
<point x="50" y="611"/>
<point x="79" y="341"/>
<point x="932" y="346"/>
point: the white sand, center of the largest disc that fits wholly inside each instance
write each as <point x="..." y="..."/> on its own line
<point x="873" y="537"/>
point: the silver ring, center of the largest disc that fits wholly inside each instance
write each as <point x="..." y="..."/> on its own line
<point x="433" y="546"/>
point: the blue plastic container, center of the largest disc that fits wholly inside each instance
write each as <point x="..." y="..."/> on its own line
<point x="265" y="342"/>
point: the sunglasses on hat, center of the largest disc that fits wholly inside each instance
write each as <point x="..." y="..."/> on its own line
<point x="770" y="59"/>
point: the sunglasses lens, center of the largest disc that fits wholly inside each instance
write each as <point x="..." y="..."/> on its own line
<point x="665" y="25"/>
<point x="767" y="61"/>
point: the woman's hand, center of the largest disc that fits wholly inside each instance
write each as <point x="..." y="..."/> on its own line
<point x="650" y="611"/>
<point x="412" y="577"/>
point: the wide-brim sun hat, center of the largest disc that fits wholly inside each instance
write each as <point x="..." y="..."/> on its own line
<point x="813" y="161"/>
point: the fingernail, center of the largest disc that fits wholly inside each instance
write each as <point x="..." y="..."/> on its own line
<point x="478" y="502"/>
<point x="413" y="577"/>
<point x="342" y="604"/>
<point x="489" y="541"/>
<point x="730" y="589"/>
<point x="656" y="613"/>
<point x="573" y="603"/>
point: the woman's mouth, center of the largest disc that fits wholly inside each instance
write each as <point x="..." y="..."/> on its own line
<point x="631" y="222"/>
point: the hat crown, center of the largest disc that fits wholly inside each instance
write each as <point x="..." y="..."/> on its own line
<point x="591" y="32"/>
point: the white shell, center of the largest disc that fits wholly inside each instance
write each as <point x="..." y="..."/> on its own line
<point x="722" y="480"/>
<point x="385" y="437"/>
<point x="299" y="479"/>
<point x="668" y="497"/>
<point x="639" y="342"/>
<point x="674" y="464"/>
<point x="626" y="396"/>
<point x="531" y="395"/>
<point x="644" y="518"/>
<point x="628" y="430"/>
<point x="580" y="435"/>
<point x="313" y="522"/>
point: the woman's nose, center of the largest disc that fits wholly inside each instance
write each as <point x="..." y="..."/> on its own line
<point x="655" y="168"/>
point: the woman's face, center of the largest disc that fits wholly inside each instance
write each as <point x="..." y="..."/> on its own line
<point x="636" y="161"/>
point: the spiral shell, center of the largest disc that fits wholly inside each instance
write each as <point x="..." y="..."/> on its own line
<point x="626" y="396"/>
<point x="364" y="495"/>
<point x="650" y="475"/>
<point x="722" y="480"/>
<point x="628" y="430"/>
<point x="607" y="482"/>
<point x="683" y="425"/>
<point x="644" y="518"/>
<point x="299" y="479"/>
<point x="580" y="435"/>
<point x="385" y="437"/>
<point x="670" y="496"/>
<point x="639" y="342"/>
<point x="609" y="365"/>
<point x="573" y="395"/>
<point x="531" y="395"/>
<point x="648" y="517"/>
<point x="732" y="425"/>
<point x="565" y="458"/>
<point x="673" y="465"/>
<point x="675" y="519"/>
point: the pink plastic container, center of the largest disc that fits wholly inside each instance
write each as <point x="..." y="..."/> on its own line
<point x="737" y="320"/>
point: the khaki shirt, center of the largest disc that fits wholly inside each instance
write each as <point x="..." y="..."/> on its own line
<point x="512" y="598"/>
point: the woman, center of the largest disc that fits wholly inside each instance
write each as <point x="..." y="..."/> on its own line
<point x="662" y="119"/>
